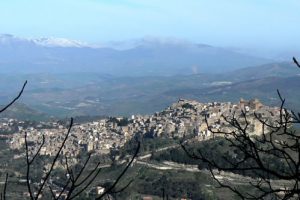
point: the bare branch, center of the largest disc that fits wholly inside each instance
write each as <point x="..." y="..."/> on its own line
<point x="253" y="151"/>
<point x="54" y="161"/>
<point x="15" y="99"/>
<point x="28" y="163"/>
<point x="3" y="194"/>
<point x="74" y="185"/>
<point x="123" y="188"/>
<point x="110" y="189"/>
<point x="296" y="62"/>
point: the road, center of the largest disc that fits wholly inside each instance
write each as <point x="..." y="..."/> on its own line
<point x="225" y="177"/>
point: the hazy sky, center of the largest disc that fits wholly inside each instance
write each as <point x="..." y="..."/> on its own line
<point x="237" y="23"/>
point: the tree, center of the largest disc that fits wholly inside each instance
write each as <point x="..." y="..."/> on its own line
<point x="78" y="181"/>
<point x="272" y="159"/>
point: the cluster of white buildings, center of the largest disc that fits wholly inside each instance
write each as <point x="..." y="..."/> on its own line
<point x="183" y="118"/>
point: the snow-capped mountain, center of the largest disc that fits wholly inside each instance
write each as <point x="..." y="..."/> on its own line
<point x="7" y="39"/>
<point x="59" y="42"/>
<point x="144" y="57"/>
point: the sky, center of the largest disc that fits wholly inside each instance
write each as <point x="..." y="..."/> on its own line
<point x="228" y="23"/>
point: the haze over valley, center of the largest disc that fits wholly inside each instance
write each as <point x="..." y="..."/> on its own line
<point x="72" y="78"/>
<point x="149" y="99"/>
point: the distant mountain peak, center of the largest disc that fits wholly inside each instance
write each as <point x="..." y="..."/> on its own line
<point x="59" y="42"/>
<point x="8" y="39"/>
<point x="153" y="42"/>
<point x="151" y="56"/>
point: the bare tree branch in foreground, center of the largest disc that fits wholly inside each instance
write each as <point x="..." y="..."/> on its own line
<point x="15" y="99"/>
<point x="3" y="193"/>
<point x="76" y="183"/>
<point x="272" y="159"/>
<point x="296" y="62"/>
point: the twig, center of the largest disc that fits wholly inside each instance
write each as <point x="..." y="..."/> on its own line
<point x="121" y="175"/>
<point x="15" y="99"/>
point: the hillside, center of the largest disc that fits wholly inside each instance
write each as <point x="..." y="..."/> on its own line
<point x="79" y="94"/>
<point x="281" y="69"/>
<point x="23" y="112"/>
<point x="264" y="89"/>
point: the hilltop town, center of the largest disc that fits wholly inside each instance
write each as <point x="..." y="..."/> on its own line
<point x="183" y="118"/>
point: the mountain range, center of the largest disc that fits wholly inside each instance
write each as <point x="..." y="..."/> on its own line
<point x="71" y="78"/>
<point x="58" y="55"/>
